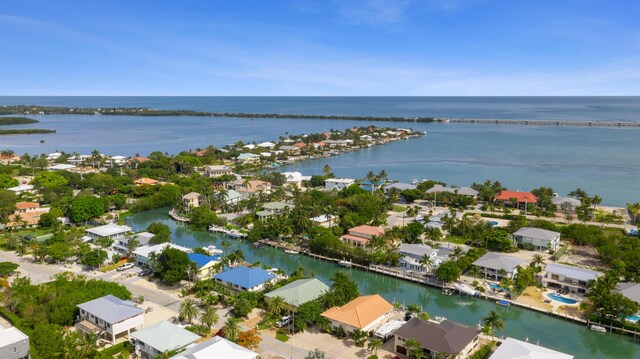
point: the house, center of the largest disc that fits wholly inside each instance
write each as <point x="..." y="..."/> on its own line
<point x="144" y="253"/>
<point x="398" y="186"/>
<point x="566" y="204"/>
<point x="276" y="207"/>
<point x="109" y="316"/>
<point x="61" y="167"/>
<point x="411" y="256"/>
<point x="54" y="156"/>
<point x="23" y="207"/>
<point x="205" y="264"/>
<point x="498" y="265"/>
<point x="20" y="189"/>
<point x="14" y="344"/>
<point x="299" y="292"/>
<point x="191" y="200"/>
<point x="248" y="158"/>
<point x="217" y="171"/>
<point x="324" y="220"/>
<point x="111" y="230"/>
<point x="159" y="338"/>
<point x="250" y="187"/>
<point x="216" y="347"/>
<point x="515" y="199"/>
<point x="366" y="313"/>
<point x="361" y="235"/>
<point x="118" y="160"/>
<point x="292" y="150"/>
<point x="462" y="191"/>
<point x="438" y="339"/>
<point x="121" y="244"/>
<point x="300" y="145"/>
<point x="7" y="159"/>
<point x="295" y="179"/>
<point x="540" y="239"/>
<point x="267" y="145"/>
<point x="245" y="279"/>
<point x="338" y="183"/>
<point x="573" y="279"/>
<point x="144" y="181"/>
<point x="516" y="349"/>
<point x="26" y="217"/>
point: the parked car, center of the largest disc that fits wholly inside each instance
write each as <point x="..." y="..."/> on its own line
<point x="125" y="266"/>
<point x="145" y="272"/>
<point x="283" y="321"/>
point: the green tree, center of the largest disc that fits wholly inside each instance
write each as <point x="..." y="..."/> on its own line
<point x="414" y="348"/>
<point x="161" y="232"/>
<point x="374" y="345"/>
<point x="85" y="208"/>
<point x="173" y="265"/>
<point x="448" y="272"/>
<point x="50" y="179"/>
<point x="94" y="258"/>
<point x="202" y="217"/>
<point x="209" y="317"/>
<point x="6" y="181"/>
<point x="493" y="322"/>
<point x="188" y="310"/>
<point x="359" y="337"/>
<point x="7" y="268"/>
<point x="276" y="306"/>
<point x="231" y="329"/>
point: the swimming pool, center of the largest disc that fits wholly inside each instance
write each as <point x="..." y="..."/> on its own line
<point x="633" y="318"/>
<point x="498" y="288"/>
<point x="494" y="223"/>
<point x="561" y="299"/>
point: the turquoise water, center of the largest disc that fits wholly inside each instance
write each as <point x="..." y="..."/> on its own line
<point x="559" y="298"/>
<point x="519" y="323"/>
<point x="497" y="287"/>
<point x="599" y="160"/>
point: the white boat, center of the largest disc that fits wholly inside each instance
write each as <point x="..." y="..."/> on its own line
<point x="213" y="250"/>
<point x="291" y="251"/>
<point x="464" y="289"/>
<point x="597" y="328"/>
<point x="345" y="263"/>
<point x="235" y="233"/>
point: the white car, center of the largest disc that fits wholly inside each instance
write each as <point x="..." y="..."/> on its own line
<point x="283" y="321"/>
<point x="125" y="266"/>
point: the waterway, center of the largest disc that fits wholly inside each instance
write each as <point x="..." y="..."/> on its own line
<point x="519" y="323"/>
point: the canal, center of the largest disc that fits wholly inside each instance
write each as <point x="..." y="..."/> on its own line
<point x="519" y="323"/>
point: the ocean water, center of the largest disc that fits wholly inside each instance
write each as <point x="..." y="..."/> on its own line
<point x="602" y="161"/>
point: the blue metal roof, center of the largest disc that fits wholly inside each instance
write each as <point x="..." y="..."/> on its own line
<point x="245" y="277"/>
<point x="200" y="259"/>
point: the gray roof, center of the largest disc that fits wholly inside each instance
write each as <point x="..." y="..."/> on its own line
<point x="143" y="237"/>
<point x="289" y="148"/>
<point x="400" y="186"/>
<point x="447" y="337"/>
<point x="165" y="336"/>
<point x="572" y="272"/>
<point x="465" y="191"/>
<point x="629" y="290"/>
<point x="536" y="233"/>
<point x="216" y="347"/>
<point x="111" y="309"/>
<point x="416" y="249"/>
<point x="517" y="349"/>
<point x="109" y="230"/>
<point x="558" y="201"/>
<point x="499" y="261"/>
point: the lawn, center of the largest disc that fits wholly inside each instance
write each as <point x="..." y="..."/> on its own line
<point x="455" y="239"/>
<point x="282" y="337"/>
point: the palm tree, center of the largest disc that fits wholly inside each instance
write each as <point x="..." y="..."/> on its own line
<point x="374" y="345"/>
<point x="316" y="354"/>
<point x="188" y="310"/>
<point x="634" y="209"/>
<point x="493" y="321"/>
<point x="359" y="337"/>
<point x="538" y="260"/>
<point x="457" y="253"/>
<point x="426" y="261"/>
<point x="132" y="245"/>
<point x="414" y="348"/>
<point x="231" y="329"/>
<point x="276" y="306"/>
<point x="209" y="317"/>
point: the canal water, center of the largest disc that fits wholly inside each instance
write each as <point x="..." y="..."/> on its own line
<point x="519" y="323"/>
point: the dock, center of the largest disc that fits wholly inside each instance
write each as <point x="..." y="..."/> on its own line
<point x="176" y="217"/>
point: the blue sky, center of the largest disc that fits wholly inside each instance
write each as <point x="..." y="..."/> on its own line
<point x="309" y="47"/>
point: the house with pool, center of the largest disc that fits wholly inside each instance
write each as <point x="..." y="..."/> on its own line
<point x="411" y="257"/>
<point x="572" y="279"/>
<point x="537" y="238"/>
<point x="496" y="266"/>
<point x="437" y="339"/>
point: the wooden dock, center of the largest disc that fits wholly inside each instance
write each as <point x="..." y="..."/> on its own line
<point x="487" y="121"/>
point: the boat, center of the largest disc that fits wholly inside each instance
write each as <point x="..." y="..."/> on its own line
<point x="447" y="291"/>
<point x="345" y="263"/>
<point x="504" y="303"/>
<point x="291" y="251"/>
<point x="465" y="289"/>
<point x="259" y="245"/>
<point x="213" y="250"/>
<point x="597" y="328"/>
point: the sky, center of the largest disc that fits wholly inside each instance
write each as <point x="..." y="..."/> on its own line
<point x="320" y="48"/>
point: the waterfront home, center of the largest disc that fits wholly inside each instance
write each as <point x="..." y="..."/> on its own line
<point x="111" y="231"/>
<point x="299" y="292"/>
<point x="53" y="156"/>
<point x="295" y="179"/>
<point x="366" y="313"/>
<point x="232" y="197"/>
<point x="24" y="207"/>
<point x="267" y="145"/>
<point x="276" y="207"/>
<point x="248" y="158"/>
<point x="497" y="266"/>
<point x="566" y="204"/>
<point x="144" y="253"/>
<point x="630" y="290"/>
<point x="117" y="160"/>
<point x="300" y="145"/>
<point x="517" y="349"/>
<point x="515" y="199"/>
<point x="20" y="189"/>
<point x="540" y="239"/>
<point x="191" y="200"/>
<point x="245" y="279"/>
<point x="14" y="344"/>
<point x="217" y="170"/>
<point x="159" y="338"/>
<point x="398" y="186"/>
<point x="216" y="347"/>
<point x="411" y="256"/>
<point x="361" y="235"/>
<point x="573" y="279"/>
<point x="121" y="244"/>
<point x="291" y="150"/>
<point x="109" y="316"/>
<point x="206" y="265"/>
<point x="7" y="159"/>
<point x="61" y="167"/>
<point x="461" y="191"/>
<point x="437" y="339"/>
<point x="250" y="187"/>
<point x="338" y="183"/>
<point x="249" y="146"/>
<point x="324" y="220"/>
<point x="144" y="181"/>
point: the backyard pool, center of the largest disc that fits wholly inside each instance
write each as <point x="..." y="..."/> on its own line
<point x="498" y="288"/>
<point x="494" y="223"/>
<point x="561" y="299"/>
<point x="633" y="318"/>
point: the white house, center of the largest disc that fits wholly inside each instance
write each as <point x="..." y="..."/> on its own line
<point x="14" y="344"/>
<point x="20" y="189"/>
<point x="517" y="349"/>
<point x="411" y="256"/>
<point x="267" y="145"/>
<point x="142" y="254"/>
<point x="162" y="337"/>
<point x="498" y="265"/>
<point x="121" y="244"/>
<point x="191" y="200"/>
<point x="217" y="170"/>
<point x="216" y="347"/>
<point x="324" y="220"/>
<point x="573" y="279"/>
<point x="110" y="316"/>
<point x="112" y="231"/>
<point x="295" y="178"/>
<point x="540" y="239"/>
<point x="338" y="183"/>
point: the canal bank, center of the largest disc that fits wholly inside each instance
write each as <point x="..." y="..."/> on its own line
<point x="519" y="323"/>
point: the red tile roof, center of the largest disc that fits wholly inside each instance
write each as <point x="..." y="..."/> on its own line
<point x="369" y="230"/>
<point x="520" y="196"/>
<point x="27" y="205"/>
